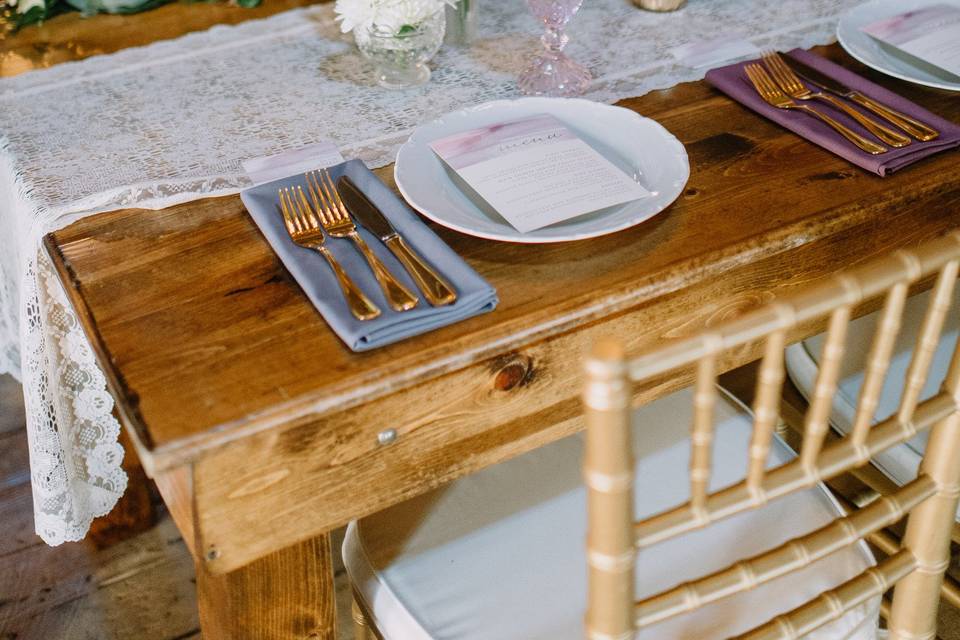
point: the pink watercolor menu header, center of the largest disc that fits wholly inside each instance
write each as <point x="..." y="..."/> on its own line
<point x="909" y="26"/>
<point x="486" y="143"/>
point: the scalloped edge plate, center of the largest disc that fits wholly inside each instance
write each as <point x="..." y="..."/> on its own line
<point x="642" y="147"/>
<point x="871" y="53"/>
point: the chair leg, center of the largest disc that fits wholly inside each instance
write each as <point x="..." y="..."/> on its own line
<point x="362" y="629"/>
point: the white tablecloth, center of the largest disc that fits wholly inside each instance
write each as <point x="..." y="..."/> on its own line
<point x="171" y="122"/>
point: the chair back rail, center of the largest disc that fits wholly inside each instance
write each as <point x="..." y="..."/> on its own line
<point x="930" y="501"/>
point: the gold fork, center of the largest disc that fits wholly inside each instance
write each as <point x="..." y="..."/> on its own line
<point x="794" y="87"/>
<point x="336" y="221"/>
<point x="304" y="229"/>
<point x="775" y="97"/>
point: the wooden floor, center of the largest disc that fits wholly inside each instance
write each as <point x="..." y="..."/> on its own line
<point x="141" y="589"/>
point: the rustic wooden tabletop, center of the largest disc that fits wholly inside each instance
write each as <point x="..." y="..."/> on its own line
<point x="251" y="414"/>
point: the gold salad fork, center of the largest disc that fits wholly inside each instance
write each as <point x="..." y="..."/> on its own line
<point x="775" y="97"/>
<point x="794" y="87"/>
<point x="304" y="229"/>
<point x="336" y="221"/>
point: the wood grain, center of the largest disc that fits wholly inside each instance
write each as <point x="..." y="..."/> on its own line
<point x="219" y="363"/>
<point x="15" y="459"/>
<point x="176" y="489"/>
<point x="11" y="405"/>
<point x="141" y="588"/>
<point x="213" y="298"/>
<point x="16" y="513"/>
<point x="288" y="595"/>
<point x="326" y="471"/>
<point x="70" y="37"/>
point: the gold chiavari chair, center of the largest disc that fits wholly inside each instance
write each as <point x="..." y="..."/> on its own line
<point x="722" y="509"/>
<point x="915" y="570"/>
<point x="898" y="465"/>
<point x="500" y="553"/>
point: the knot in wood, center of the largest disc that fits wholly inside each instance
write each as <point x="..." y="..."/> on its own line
<point x="514" y="373"/>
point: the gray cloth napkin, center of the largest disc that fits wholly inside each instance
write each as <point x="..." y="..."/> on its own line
<point x="733" y="81"/>
<point x="313" y="274"/>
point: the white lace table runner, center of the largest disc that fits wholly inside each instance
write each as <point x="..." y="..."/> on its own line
<point x="170" y="122"/>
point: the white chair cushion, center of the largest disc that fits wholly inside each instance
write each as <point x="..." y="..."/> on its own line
<point x="899" y="463"/>
<point x="499" y="555"/>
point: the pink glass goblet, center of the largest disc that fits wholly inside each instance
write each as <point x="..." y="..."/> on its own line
<point x="552" y="73"/>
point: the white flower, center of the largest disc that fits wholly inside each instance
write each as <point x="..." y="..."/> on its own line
<point x="391" y="15"/>
<point x="25" y="5"/>
<point x="355" y="13"/>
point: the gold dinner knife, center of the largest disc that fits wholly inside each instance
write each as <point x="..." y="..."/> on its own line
<point x="914" y="127"/>
<point x="437" y="291"/>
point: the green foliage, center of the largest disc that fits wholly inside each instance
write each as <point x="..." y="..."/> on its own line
<point x="49" y="9"/>
<point x="35" y="14"/>
<point x="150" y="4"/>
<point x="54" y="7"/>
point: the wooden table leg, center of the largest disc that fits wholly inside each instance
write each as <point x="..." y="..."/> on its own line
<point x="287" y="595"/>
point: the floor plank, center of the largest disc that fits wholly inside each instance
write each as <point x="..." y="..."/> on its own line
<point x="16" y="522"/>
<point x="14" y="459"/>
<point x="140" y="589"/>
<point x="11" y="405"/>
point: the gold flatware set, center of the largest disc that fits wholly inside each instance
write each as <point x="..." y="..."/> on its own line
<point x="310" y="220"/>
<point x="779" y="84"/>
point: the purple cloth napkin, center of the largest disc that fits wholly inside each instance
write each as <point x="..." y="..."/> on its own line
<point x="733" y="81"/>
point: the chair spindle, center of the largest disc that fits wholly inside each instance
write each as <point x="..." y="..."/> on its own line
<point x="916" y="567"/>
<point x="878" y="361"/>
<point x="818" y="415"/>
<point x="609" y="477"/>
<point x="927" y="341"/>
<point x="701" y="438"/>
<point x="766" y="410"/>
<point x="928" y="528"/>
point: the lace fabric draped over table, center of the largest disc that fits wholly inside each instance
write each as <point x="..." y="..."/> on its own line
<point x="170" y="122"/>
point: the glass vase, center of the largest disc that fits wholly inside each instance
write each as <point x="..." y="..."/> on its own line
<point x="401" y="58"/>
<point x="552" y="73"/>
<point x="461" y="22"/>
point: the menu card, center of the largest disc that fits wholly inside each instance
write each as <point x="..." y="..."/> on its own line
<point x="536" y="172"/>
<point x="288" y="163"/>
<point x="715" y="52"/>
<point x="931" y="34"/>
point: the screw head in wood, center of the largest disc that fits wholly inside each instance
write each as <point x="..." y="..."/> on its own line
<point x="387" y="437"/>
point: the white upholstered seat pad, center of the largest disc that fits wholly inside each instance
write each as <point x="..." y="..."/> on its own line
<point x="901" y="462"/>
<point x="499" y="555"/>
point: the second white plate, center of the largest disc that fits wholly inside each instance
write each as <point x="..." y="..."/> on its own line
<point x="639" y="146"/>
<point x="880" y="57"/>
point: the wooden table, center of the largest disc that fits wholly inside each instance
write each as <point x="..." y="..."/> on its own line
<point x="264" y="432"/>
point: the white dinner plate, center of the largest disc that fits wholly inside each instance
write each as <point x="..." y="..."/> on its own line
<point x="639" y="146"/>
<point x="882" y="57"/>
